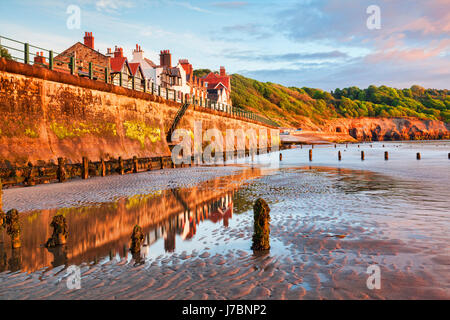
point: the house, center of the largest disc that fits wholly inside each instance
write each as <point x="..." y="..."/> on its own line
<point x="197" y="88"/>
<point x="148" y="67"/>
<point x="39" y="59"/>
<point x="166" y="75"/>
<point x="84" y="53"/>
<point x="219" y="87"/>
<point x="120" y="69"/>
<point x="138" y="75"/>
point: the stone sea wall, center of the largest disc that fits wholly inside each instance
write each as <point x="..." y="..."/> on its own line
<point x="46" y="115"/>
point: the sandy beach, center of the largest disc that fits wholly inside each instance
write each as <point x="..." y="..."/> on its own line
<point x="329" y="223"/>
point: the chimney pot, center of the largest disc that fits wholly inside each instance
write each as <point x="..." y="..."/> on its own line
<point x="89" y="40"/>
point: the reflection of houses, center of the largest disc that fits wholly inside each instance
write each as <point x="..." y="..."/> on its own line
<point x="186" y="223"/>
<point x="219" y="87"/>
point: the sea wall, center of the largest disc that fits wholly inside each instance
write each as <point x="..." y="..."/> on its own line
<point x="46" y="115"/>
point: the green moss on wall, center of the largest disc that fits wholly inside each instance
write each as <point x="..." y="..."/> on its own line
<point x="79" y="129"/>
<point x="31" y="133"/>
<point x="139" y="131"/>
<point x="16" y="128"/>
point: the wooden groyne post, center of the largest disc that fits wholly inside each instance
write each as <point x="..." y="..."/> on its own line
<point x="362" y="155"/>
<point x="13" y="227"/>
<point x="102" y="167"/>
<point x="339" y="156"/>
<point x="137" y="237"/>
<point x="418" y="157"/>
<point x="1" y="194"/>
<point x="281" y="157"/>
<point x="2" y="214"/>
<point x="261" y="232"/>
<point x="60" y="232"/>
<point x="310" y="154"/>
<point x="386" y="155"/>
<point x="85" y="169"/>
<point x="135" y="165"/>
<point x="61" y="173"/>
<point x="121" y="167"/>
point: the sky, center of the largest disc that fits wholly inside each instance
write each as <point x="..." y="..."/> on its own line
<point x="322" y="44"/>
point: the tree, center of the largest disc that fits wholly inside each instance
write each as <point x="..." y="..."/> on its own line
<point x="4" y="53"/>
<point x="201" y="72"/>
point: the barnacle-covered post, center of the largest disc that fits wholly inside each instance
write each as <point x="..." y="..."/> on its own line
<point x="261" y="232"/>
<point x="60" y="232"/>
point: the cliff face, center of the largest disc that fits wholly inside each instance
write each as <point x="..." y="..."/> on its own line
<point x="383" y="129"/>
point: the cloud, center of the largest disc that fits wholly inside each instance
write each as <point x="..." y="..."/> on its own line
<point x="432" y="73"/>
<point x="230" y="4"/>
<point x="113" y="5"/>
<point x="287" y="57"/>
<point x="188" y="5"/>
<point x="256" y="31"/>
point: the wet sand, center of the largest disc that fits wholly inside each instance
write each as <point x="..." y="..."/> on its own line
<point x="329" y="223"/>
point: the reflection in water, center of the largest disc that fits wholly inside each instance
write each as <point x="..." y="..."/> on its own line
<point x="59" y="255"/>
<point x="103" y="231"/>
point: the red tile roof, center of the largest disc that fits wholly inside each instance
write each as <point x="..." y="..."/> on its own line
<point x="134" y="68"/>
<point x="117" y="63"/>
<point x="214" y="79"/>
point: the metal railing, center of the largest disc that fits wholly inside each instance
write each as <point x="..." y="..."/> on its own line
<point x="24" y="53"/>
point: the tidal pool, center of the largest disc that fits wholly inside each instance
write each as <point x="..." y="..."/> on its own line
<point x="331" y="220"/>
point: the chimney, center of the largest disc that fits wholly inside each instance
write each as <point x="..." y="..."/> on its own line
<point x="118" y="53"/>
<point x="222" y="72"/>
<point x="39" y="58"/>
<point x="89" y="40"/>
<point x="165" y="58"/>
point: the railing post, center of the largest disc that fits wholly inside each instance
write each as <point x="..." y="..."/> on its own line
<point x="50" y="60"/>
<point x="106" y="75"/>
<point x="133" y="82"/>
<point x="26" y="57"/>
<point x="91" y="71"/>
<point x="159" y="90"/>
<point x="120" y="79"/>
<point x="167" y="93"/>
<point x="145" y="85"/>
<point x="72" y="65"/>
<point x="153" y="88"/>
